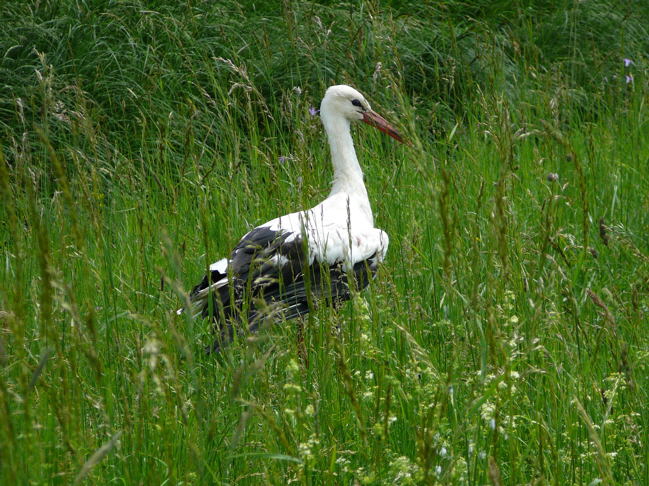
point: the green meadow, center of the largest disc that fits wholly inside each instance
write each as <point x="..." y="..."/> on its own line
<point x="505" y="340"/>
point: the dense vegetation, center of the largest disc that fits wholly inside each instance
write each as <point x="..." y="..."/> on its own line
<point x="505" y="339"/>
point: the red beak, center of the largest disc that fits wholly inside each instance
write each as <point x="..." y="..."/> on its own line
<point x="374" y="119"/>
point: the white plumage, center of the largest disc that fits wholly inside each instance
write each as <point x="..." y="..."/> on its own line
<point x="335" y="242"/>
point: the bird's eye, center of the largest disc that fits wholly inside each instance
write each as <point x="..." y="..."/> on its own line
<point x="357" y="103"/>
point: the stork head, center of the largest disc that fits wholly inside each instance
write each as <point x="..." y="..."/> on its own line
<point x="344" y="101"/>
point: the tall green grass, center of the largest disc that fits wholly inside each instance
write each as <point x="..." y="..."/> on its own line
<point x="504" y="340"/>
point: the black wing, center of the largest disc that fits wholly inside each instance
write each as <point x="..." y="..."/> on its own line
<point x="271" y="278"/>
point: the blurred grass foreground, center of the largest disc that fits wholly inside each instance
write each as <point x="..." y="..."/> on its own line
<point x="505" y="340"/>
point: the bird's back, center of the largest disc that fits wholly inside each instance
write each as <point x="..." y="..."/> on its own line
<point x="281" y="268"/>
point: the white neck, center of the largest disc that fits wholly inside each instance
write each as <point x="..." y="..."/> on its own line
<point x="348" y="176"/>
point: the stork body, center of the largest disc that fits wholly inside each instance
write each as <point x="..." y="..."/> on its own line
<point x="280" y="268"/>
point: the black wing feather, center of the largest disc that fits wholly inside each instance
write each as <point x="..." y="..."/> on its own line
<point x="267" y="281"/>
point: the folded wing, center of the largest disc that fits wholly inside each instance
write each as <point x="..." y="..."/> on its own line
<point x="278" y="272"/>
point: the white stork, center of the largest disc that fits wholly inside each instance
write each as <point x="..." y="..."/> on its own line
<point x="280" y="268"/>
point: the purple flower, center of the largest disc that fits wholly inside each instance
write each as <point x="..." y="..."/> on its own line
<point x="552" y="177"/>
<point x="282" y="159"/>
<point x="313" y="111"/>
<point x="627" y="62"/>
<point x="629" y="78"/>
